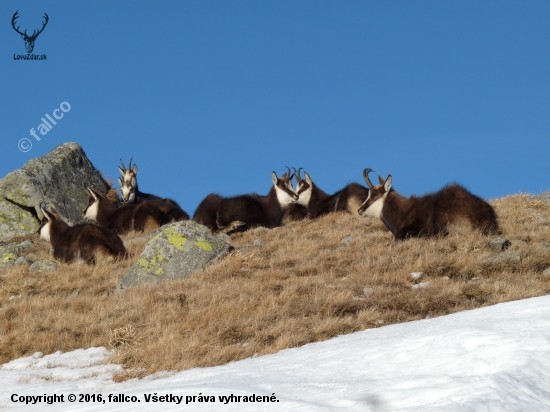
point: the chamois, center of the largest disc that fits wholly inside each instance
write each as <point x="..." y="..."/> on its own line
<point x="319" y="203"/>
<point x="207" y="211"/>
<point x="293" y="213"/>
<point x="427" y="215"/>
<point x="146" y="216"/>
<point x="132" y="195"/>
<point x="82" y="241"/>
<point x="246" y="211"/>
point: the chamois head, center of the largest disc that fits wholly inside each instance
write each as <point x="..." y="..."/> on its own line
<point x="304" y="187"/>
<point x="128" y="181"/>
<point x="283" y="188"/>
<point x="95" y="200"/>
<point x="374" y="203"/>
<point x="46" y="225"/>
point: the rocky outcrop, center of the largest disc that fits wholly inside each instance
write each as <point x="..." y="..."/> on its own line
<point x="175" y="251"/>
<point x="59" y="178"/>
<point x="500" y="244"/>
<point x="510" y="257"/>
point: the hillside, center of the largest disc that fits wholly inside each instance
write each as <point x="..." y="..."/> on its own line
<point x="488" y="359"/>
<point x="305" y="282"/>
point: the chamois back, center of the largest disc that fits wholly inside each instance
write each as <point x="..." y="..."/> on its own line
<point x="319" y="203"/>
<point x="207" y="211"/>
<point x="251" y="210"/>
<point x="227" y="214"/>
<point x="85" y="241"/>
<point x="146" y="216"/>
<point x="427" y="215"/>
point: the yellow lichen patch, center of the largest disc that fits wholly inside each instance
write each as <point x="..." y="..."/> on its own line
<point x="153" y="266"/>
<point x="8" y="257"/>
<point x="175" y="239"/>
<point x="203" y="245"/>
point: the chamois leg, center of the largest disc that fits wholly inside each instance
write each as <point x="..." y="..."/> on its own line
<point x="235" y="226"/>
<point x="407" y="232"/>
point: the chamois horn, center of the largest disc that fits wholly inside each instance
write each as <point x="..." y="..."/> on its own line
<point x="297" y="174"/>
<point x="288" y="173"/>
<point x="366" y="176"/>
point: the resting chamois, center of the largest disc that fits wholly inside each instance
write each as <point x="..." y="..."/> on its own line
<point x="131" y="194"/>
<point x="146" y="216"/>
<point x="247" y="211"/>
<point x="427" y="215"/>
<point x="82" y="241"/>
<point x="293" y="213"/>
<point x="319" y="203"/>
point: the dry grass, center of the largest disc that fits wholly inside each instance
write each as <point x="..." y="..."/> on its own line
<point x="302" y="286"/>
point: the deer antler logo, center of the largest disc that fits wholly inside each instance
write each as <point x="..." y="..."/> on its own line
<point x="29" y="40"/>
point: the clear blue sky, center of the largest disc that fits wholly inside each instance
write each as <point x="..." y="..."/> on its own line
<point x="212" y="96"/>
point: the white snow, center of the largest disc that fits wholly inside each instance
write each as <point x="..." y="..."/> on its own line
<point x="491" y="359"/>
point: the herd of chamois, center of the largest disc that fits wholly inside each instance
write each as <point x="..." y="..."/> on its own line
<point x="427" y="215"/>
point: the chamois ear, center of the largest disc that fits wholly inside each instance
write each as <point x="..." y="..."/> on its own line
<point x="308" y="179"/>
<point x="45" y="212"/>
<point x="120" y="170"/>
<point x="274" y="178"/>
<point x="135" y="169"/>
<point x="387" y="185"/>
<point x="93" y="193"/>
<point x="120" y="181"/>
<point x="53" y="212"/>
<point x="380" y="180"/>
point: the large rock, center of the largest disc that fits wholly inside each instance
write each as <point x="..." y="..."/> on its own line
<point x="59" y="178"/>
<point x="175" y="251"/>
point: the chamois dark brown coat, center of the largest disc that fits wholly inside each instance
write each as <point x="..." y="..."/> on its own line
<point x="84" y="241"/>
<point x="293" y="213"/>
<point x="319" y="203"/>
<point x="249" y="210"/>
<point x="131" y="194"/>
<point x="427" y="215"/>
<point x="207" y="210"/>
<point x="146" y="216"/>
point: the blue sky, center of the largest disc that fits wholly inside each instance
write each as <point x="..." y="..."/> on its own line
<point x="212" y="96"/>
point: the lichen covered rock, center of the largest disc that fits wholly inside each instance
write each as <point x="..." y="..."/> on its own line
<point x="43" y="266"/>
<point x="9" y="253"/>
<point x="175" y="251"/>
<point x="59" y="178"/>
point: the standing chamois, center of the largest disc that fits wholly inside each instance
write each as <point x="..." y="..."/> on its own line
<point x="82" y="241"/>
<point x="427" y="215"/>
<point x="319" y="203"/>
<point x="146" y="216"/>
<point x="131" y="194"/>
<point x="246" y="211"/>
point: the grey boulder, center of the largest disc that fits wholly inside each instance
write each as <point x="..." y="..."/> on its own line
<point x="59" y="178"/>
<point x="175" y="251"/>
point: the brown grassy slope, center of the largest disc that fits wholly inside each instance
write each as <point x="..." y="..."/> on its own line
<point x="302" y="286"/>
